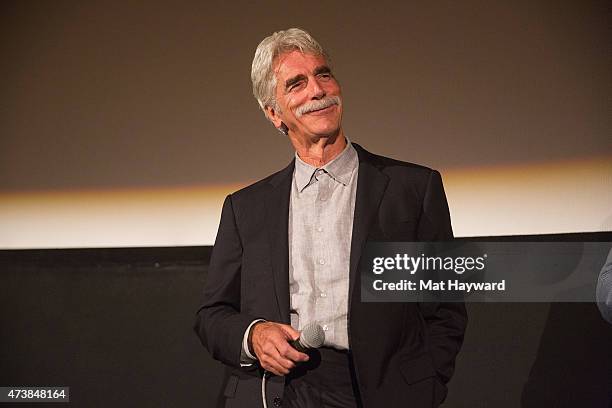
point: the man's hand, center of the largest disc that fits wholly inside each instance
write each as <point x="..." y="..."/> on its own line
<point x="270" y="342"/>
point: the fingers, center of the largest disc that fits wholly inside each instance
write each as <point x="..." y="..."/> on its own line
<point x="274" y="362"/>
<point x="270" y="343"/>
<point x="291" y="333"/>
<point x="290" y="352"/>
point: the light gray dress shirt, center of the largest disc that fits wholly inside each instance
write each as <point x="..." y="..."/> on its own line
<point x="321" y="210"/>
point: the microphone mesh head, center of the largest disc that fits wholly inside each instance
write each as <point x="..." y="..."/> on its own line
<point x="312" y="335"/>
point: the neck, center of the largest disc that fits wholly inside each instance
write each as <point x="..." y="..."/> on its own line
<point x="319" y="151"/>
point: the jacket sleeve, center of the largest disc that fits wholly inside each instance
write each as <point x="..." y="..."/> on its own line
<point x="446" y="321"/>
<point x="219" y="323"/>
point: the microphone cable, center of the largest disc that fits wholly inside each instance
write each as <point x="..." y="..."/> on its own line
<point x="263" y="389"/>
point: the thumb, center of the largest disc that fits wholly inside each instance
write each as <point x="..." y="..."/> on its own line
<point x="290" y="332"/>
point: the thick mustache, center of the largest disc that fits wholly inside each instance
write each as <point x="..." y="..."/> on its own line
<point x="317" y="105"/>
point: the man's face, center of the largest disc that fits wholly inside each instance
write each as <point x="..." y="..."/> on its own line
<point x="308" y="96"/>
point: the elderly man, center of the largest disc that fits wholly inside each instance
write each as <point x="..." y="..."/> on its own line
<point x="287" y="251"/>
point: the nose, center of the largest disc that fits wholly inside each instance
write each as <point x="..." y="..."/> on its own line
<point x="317" y="90"/>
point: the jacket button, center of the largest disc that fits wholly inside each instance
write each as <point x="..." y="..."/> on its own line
<point x="277" y="401"/>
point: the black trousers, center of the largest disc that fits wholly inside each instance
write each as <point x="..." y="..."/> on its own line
<point x="326" y="380"/>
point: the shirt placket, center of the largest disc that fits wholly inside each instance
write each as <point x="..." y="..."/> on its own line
<point x="322" y="261"/>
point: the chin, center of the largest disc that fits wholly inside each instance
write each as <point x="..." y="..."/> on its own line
<point x="326" y="130"/>
<point x="327" y="134"/>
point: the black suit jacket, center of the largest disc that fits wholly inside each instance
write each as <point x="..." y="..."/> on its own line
<point x="403" y="353"/>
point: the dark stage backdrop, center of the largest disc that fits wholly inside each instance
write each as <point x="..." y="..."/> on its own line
<point x="116" y="326"/>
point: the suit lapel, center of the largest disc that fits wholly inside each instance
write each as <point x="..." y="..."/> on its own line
<point x="277" y="217"/>
<point x="371" y="185"/>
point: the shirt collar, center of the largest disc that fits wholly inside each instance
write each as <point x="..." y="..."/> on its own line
<point x="339" y="169"/>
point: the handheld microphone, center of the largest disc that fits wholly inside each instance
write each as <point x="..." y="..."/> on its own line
<point x="312" y="336"/>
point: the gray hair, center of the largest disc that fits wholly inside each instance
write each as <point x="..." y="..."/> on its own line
<point x="262" y="70"/>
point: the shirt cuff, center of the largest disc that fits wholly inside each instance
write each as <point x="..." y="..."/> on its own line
<point x="246" y="358"/>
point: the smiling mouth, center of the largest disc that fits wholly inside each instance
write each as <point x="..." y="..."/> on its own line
<point x="321" y="111"/>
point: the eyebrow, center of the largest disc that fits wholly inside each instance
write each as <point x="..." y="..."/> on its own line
<point x="322" y="69"/>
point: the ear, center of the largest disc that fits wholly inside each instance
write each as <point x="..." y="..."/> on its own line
<point x="274" y="117"/>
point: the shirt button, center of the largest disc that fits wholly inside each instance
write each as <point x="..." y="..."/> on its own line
<point x="321" y="261"/>
<point x="325" y="327"/>
<point x="320" y="229"/>
<point x="323" y="294"/>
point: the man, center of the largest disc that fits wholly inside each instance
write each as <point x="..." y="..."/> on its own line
<point x="287" y="251"/>
<point x="604" y="289"/>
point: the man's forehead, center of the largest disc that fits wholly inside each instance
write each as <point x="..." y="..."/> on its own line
<point x="294" y="62"/>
